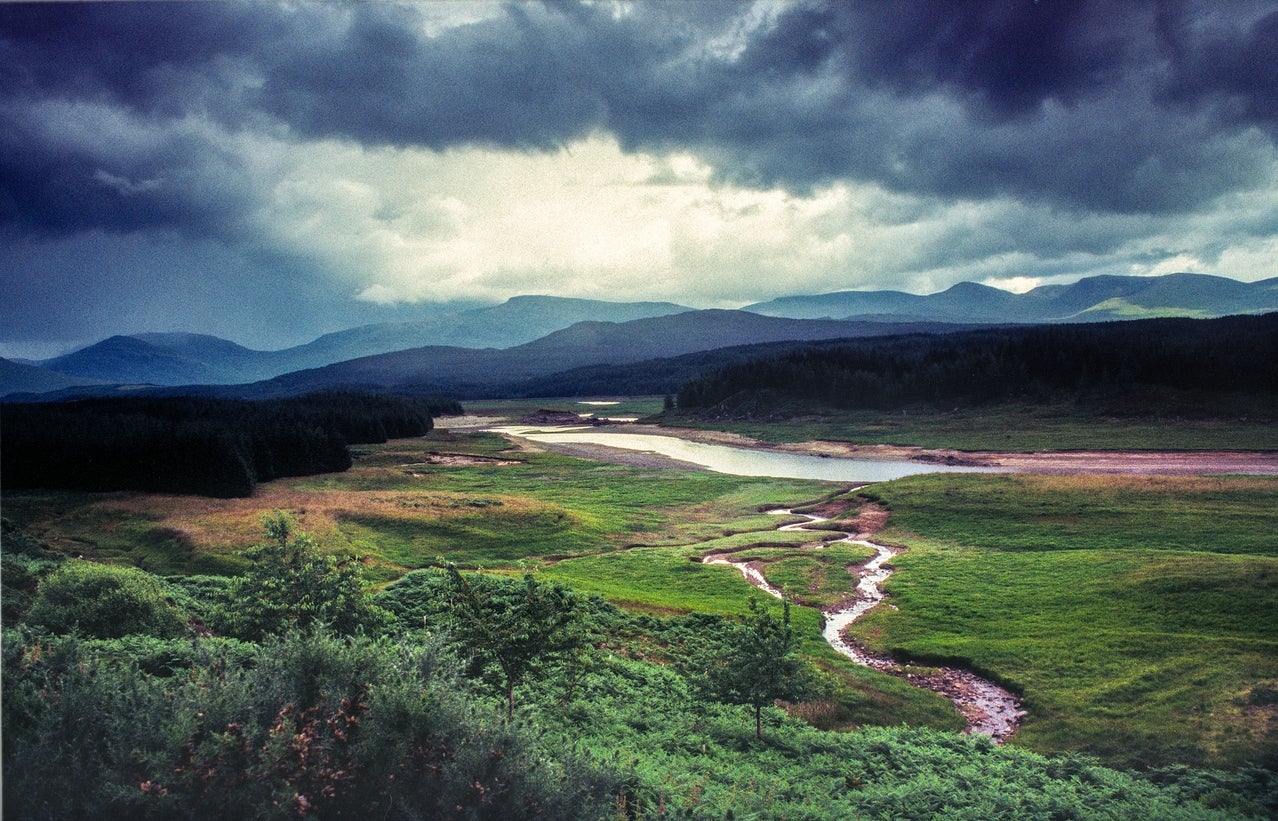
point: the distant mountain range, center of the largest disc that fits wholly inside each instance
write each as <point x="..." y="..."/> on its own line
<point x="468" y="373"/>
<point x="1095" y="299"/>
<point x="526" y="339"/>
<point x="199" y="359"/>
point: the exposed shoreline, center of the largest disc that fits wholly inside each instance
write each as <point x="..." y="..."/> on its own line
<point x="1150" y="463"/>
<point x="1170" y="463"/>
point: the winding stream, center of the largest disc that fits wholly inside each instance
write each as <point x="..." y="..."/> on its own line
<point x="988" y="709"/>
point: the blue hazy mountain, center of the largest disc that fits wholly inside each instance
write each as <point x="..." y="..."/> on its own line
<point x="200" y="359"/>
<point x="1094" y="299"/>
<point x="565" y="333"/>
<point x="451" y="370"/>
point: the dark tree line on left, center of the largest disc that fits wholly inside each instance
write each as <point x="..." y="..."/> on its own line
<point x="212" y="447"/>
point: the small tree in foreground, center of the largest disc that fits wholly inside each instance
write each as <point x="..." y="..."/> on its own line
<point x="758" y="663"/>
<point x="290" y="585"/>
<point x="517" y="626"/>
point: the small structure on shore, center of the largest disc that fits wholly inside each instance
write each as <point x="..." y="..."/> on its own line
<point x="550" y="416"/>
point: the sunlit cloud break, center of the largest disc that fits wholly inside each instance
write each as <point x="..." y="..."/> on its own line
<point x="270" y="171"/>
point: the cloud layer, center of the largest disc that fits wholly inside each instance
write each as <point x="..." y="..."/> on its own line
<point x="268" y="172"/>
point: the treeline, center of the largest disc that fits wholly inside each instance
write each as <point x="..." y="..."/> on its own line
<point x="1236" y="356"/>
<point x="212" y="447"/>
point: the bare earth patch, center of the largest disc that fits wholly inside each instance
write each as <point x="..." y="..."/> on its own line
<point x="460" y="460"/>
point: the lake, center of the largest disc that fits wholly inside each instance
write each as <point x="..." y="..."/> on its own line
<point x="739" y="461"/>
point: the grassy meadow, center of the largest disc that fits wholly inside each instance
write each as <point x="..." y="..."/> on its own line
<point x="1138" y="616"/>
<point x="631" y="535"/>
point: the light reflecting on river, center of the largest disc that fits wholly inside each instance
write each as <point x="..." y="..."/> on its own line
<point x="738" y="461"/>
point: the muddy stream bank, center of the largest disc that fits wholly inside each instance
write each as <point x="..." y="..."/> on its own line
<point x="987" y="708"/>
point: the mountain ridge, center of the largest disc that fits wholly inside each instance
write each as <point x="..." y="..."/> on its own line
<point x="548" y="324"/>
<point x="1089" y="299"/>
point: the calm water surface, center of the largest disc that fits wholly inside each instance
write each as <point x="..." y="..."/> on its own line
<point x="739" y="461"/>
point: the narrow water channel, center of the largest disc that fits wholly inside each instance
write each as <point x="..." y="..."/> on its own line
<point x="987" y="708"/>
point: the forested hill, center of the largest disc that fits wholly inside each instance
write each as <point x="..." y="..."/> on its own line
<point x="1228" y="357"/>
<point x="213" y="447"/>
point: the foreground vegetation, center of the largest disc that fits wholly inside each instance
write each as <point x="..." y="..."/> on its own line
<point x="1134" y="614"/>
<point x="620" y="715"/>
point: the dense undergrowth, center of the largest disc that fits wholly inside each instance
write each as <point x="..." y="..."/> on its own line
<point x="394" y="715"/>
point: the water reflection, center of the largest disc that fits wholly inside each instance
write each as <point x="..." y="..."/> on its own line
<point x="740" y="461"/>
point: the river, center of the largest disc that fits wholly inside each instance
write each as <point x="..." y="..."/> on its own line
<point x="737" y="461"/>
<point x="987" y="708"/>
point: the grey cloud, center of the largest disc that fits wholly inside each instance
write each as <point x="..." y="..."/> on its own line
<point x="78" y="289"/>
<point x="67" y="168"/>
<point x="1055" y="103"/>
<point x="1124" y="107"/>
<point x="1227" y="61"/>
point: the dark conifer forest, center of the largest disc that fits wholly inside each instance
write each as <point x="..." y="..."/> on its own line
<point x="1230" y="357"/>
<point x="212" y="447"/>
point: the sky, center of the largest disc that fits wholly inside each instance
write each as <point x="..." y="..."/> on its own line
<point x="267" y="172"/>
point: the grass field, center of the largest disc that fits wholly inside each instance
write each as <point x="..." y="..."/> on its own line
<point x="628" y="534"/>
<point x="400" y="512"/>
<point x="1137" y="615"/>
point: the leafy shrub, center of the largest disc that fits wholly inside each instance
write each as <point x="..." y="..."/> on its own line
<point x="418" y="600"/>
<point x="317" y="725"/>
<point x="202" y="598"/>
<point x="102" y="601"/>
<point x="21" y="576"/>
<point x="514" y="627"/>
<point x="169" y="657"/>
<point x="291" y="585"/>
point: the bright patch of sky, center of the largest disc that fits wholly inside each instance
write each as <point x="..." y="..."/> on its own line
<point x="410" y="224"/>
<point x="272" y="171"/>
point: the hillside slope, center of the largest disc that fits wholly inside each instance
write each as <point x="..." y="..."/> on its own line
<point x="465" y="372"/>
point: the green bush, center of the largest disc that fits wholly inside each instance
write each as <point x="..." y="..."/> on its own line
<point x="317" y="725"/>
<point x="290" y="585"/>
<point x="102" y="601"/>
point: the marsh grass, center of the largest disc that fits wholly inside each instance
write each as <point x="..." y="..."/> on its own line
<point x="1137" y="615"/>
<point x="400" y="518"/>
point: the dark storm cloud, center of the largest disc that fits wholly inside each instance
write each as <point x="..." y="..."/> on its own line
<point x="1226" y="63"/>
<point x="1126" y="107"/>
<point x="1080" y="105"/>
<point x="99" y="121"/>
